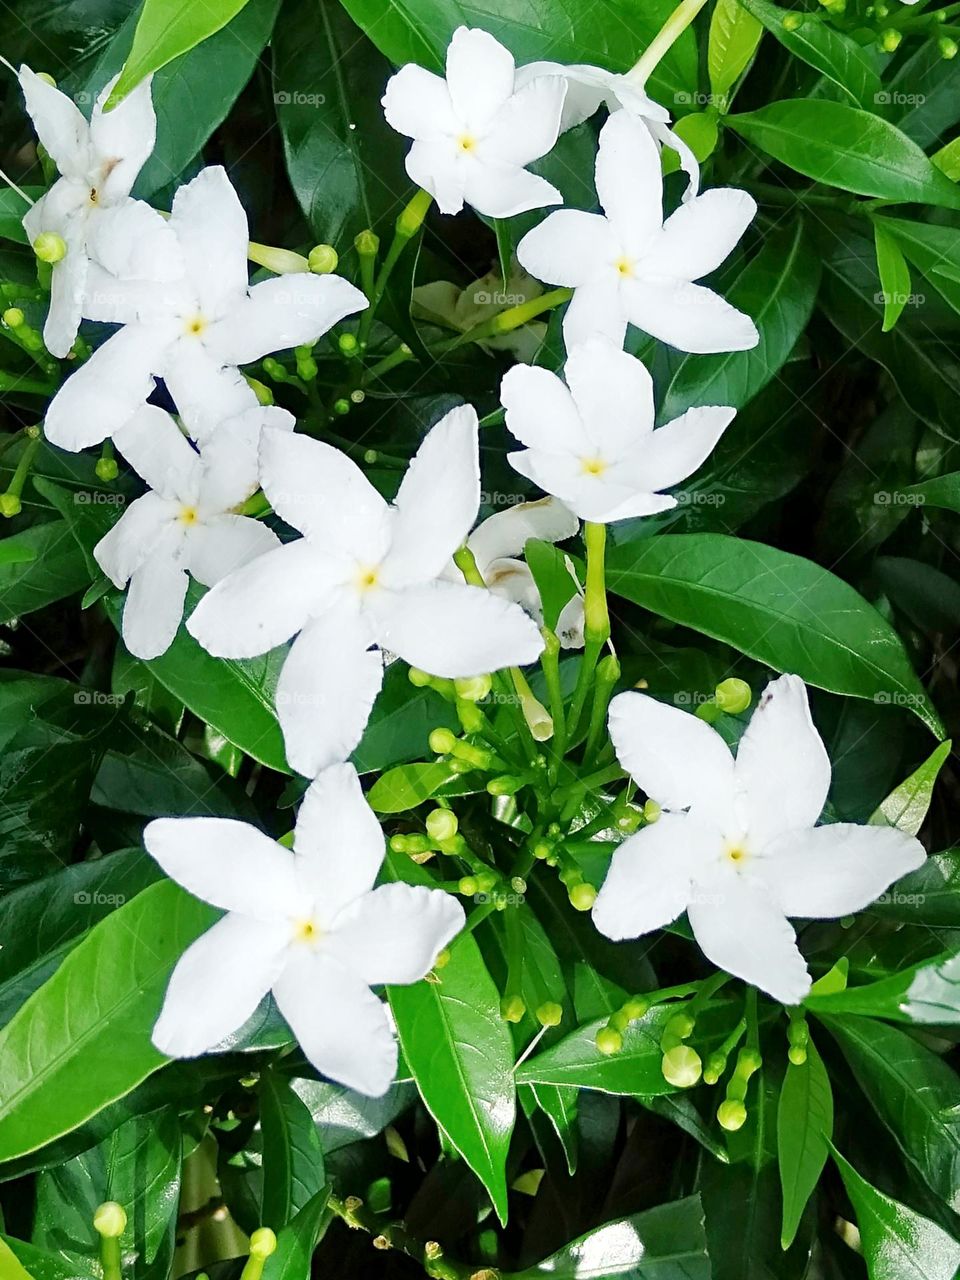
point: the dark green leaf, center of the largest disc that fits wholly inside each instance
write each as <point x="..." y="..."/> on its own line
<point x="292" y="1153"/>
<point x="894" y="276"/>
<point x="907" y="805"/>
<point x="165" y="30"/>
<point x="804" y="1130"/>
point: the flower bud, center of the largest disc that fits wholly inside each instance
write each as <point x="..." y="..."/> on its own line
<point x="619" y="1020"/>
<point x="714" y="1067"/>
<point x="367" y="243"/>
<point x="582" y="896"/>
<point x="468" y="886"/>
<point x="733" y="696"/>
<point x="890" y="40"/>
<point x="263" y="393"/>
<point x="263" y="1242"/>
<point x="110" y="1220"/>
<point x="609" y="1040"/>
<point x="651" y="811"/>
<point x="948" y="48"/>
<point x="792" y="21"/>
<point x="797" y="1054"/>
<point x="549" y="1014"/>
<point x="442" y="824"/>
<point x="107" y="469"/>
<point x="49" y="247"/>
<point x="279" y="261"/>
<point x="13" y="317"/>
<point x="681" y="1024"/>
<point x="10" y="505"/>
<point x="636" y="1008"/>
<point x="348" y="344"/>
<point x="473" y="688"/>
<point x="681" y="1066"/>
<point x="506" y="785"/>
<point x="732" y="1115"/>
<point x="341" y="407"/>
<point x="322" y="259"/>
<point x="441" y="741"/>
<point x="512" y="1008"/>
<point x="542" y="851"/>
<point x="470" y="716"/>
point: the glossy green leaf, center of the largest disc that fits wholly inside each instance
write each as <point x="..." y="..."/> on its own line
<point x="928" y="992"/>
<point x="408" y="785"/>
<point x="292" y="1152"/>
<point x="907" y="805"/>
<point x="555" y="582"/>
<point x="297" y="1241"/>
<point x="948" y="159"/>
<point x="846" y="148"/>
<point x="930" y="895"/>
<point x="59" y="1056"/>
<point x="165" y="30"/>
<point x="775" y="607"/>
<point x="734" y="36"/>
<point x="12" y="208"/>
<point x="22" y="1261"/>
<point x="894" y="276"/>
<point x="804" y="1130"/>
<point x="343" y="1116"/>
<point x="933" y="250"/>
<point x="942" y="491"/>
<point x="55" y="569"/>
<point x="898" y="1243"/>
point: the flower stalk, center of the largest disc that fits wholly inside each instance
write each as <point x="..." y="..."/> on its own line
<point x="663" y="41"/>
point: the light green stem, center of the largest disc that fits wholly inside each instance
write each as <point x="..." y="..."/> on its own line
<point x="669" y="33"/>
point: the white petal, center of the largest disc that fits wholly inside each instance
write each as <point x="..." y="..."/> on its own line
<point x="59" y="123"/>
<point x="681" y="447"/>
<point x="541" y="413"/>
<point x="613" y="393"/>
<point x="227" y="863"/>
<point x="323" y="493"/>
<point x="587" y="87"/>
<point x="688" y="161"/>
<point x="480" y="75"/>
<point x="284" y="312"/>
<point x="68" y="286"/>
<point x="205" y="391"/>
<point x="395" y="933"/>
<point x="107" y="390"/>
<point x="562" y="474"/>
<point x="636" y="504"/>
<point x="224" y="544"/>
<point x="211" y="226"/>
<point x="836" y="870"/>
<point x="417" y="104"/>
<point x="261" y="605"/>
<point x="505" y="533"/>
<point x="231" y="456"/>
<point x="115" y="300"/>
<point x="648" y="883"/>
<point x="124" y="548"/>
<point x="570" y="623"/>
<point x="782" y="770"/>
<point x="132" y="241"/>
<point x="217" y="984"/>
<point x="438" y="500"/>
<point x="501" y="191"/>
<point x="678" y="759"/>
<point x="123" y="138"/>
<point x="512" y="580"/>
<point x="432" y="164"/>
<point x="154" y="605"/>
<point x="702" y="233"/>
<point x="526" y="126"/>
<point x="341" y="1025"/>
<point x="688" y="317"/>
<point x="338" y="841"/>
<point x="455" y="631"/>
<point x="568" y="248"/>
<point x="158" y="451"/>
<point x="597" y="309"/>
<point x="743" y="931"/>
<point x="629" y="182"/>
<point x="326" y="691"/>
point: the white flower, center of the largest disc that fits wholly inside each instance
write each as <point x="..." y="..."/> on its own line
<point x="194" y="331"/>
<point x="593" y="445"/>
<point x="187" y="523"/>
<point x="99" y="162"/>
<point x="475" y="132"/>
<point x="589" y="88"/>
<point x="627" y="264"/>
<point x="736" y="847"/>
<point x="364" y="573"/>
<point x="307" y="925"/>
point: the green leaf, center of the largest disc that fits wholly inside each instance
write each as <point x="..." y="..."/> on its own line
<point x="555" y="583"/>
<point x="461" y="1055"/>
<point x="845" y="63"/>
<point x="664" y="1243"/>
<point x="734" y="36"/>
<point x="400" y="723"/>
<point x="930" y="895"/>
<point x="775" y="607"/>
<point x="894" y="276"/>
<point x="55" y="569"/>
<point x="12" y="208"/>
<point x="912" y="1091"/>
<point x="804" y="1130"/>
<point x="928" y="992"/>
<point x="948" y="160"/>
<point x="165" y="30"/>
<point x="22" y="1261"/>
<point x="60" y="1056"/>
<point x="846" y="148"/>
<point x="907" y="805"/>
<point x="297" y="1241"/>
<point x="408" y="785"/>
<point x="292" y="1153"/>
<point x="942" y="491"/>
<point x="12" y="551"/>
<point x="898" y="1243"/>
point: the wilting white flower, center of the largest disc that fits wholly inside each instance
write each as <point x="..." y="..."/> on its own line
<point x="365" y="573"/>
<point x="592" y="443"/>
<point x="628" y="265"/>
<point x="589" y="88"/>
<point x="193" y="331"/>
<point x="307" y="925"/>
<point x="737" y="847"/>
<point x="187" y="524"/>
<point x="475" y="131"/>
<point x="98" y="162"/>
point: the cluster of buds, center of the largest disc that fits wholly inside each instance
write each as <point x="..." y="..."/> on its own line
<point x="610" y="1037"/>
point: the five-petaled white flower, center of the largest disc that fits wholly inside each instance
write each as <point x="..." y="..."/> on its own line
<point x="194" y="331"/>
<point x="188" y="523"/>
<point x="592" y="442"/>
<point x="475" y="131"/>
<point x="364" y="573"/>
<point x="98" y="162"/>
<point x="307" y="925"/>
<point x="737" y="847"/>
<point x="628" y="265"/>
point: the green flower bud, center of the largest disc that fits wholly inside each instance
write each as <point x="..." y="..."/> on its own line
<point x="263" y="1242"/>
<point x="110" y="1220"/>
<point x="681" y="1066"/>
<point x="13" y="317"/>
<point x="549" y="1014"/>
<point x="792" y="21"/>
<point x="732" y="1115"/>
<point x="468" y="886"/>
<point x="582" y="896"/>
<point x="948" y="48"/>
<point x="49" y="247"/>
<point x="651" y="811"/>
<point x="10" y="505"/>
<point x="733" y="696"/>
<point x="279" y="261"/>
<point x="797" y="1054"/>
<point x="263" y="393"/>
<point x="442" y="742"/>
<point x="890" y="40"/>
<point x="619" y="1020"/>
<point x="322" y="259"/>
<point x="542" y="851"/>
<point x="348" y="344"/>
<point x="274" y="369"/>
<point x="681" y="1025"/>
<point x="473" y="688"/>
<point x="367" y="243"/>
<point x="470" y="716"/>
<point x="748" y="1061"/>
<point x="512" y="1008"/>
<point x="636" y="1008"/>
<point x="107" y="469"/>
<point x="442" y="824"/>
<point x="609" y="1040"/>
<point x="419" y="679"/>
<point x="714" y="1067"/>
<point x="505" y="785"/>
<point x="398" y="844"/>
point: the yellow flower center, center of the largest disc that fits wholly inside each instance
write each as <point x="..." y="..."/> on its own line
<point x="195" y="325"/>
<point x="368" y="577"/>
<point x="736" y="852"/>
<point x="466" y="143"/>
<point x="94" y="196"/>
<point x="593" y="466"/>
<point x="188" y="515"/>
<point x="624" y="266"/>
<point x="306" y="931"/>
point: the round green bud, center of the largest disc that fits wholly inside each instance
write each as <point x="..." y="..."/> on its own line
<point x="13" y="317"/>
<point x="107" y="469"/>
<point x="263" y="1242"/>
<point x="398" y="844"/>
<point x="542" y="851"/>
<point x="486" y="880"/>
<point x="748" y="1061"/>
<point x="512" y="1008"/>
<point x="441" y="824"/>
<point x="322" y="259"/>
<point x="420" y="679"/>
<point x="49" y="247"/>
<point x="367" y="243"/>
<point x="681" y="1024"/>
<point x="348" y="344"/>
<point x="47" y="78"/>
<point x="880" y="9"/>
<point x="890" y="40"/>
<point x="619" y="1020"/>
<point x="797" y="1054"/>
<point x="263" y="393"/>
<point x="651" y="811"/>
<point x="714" y="1067"/>
<point x="469" y="715"/>
<point x="442" y="741"/>
<point x="370" y="456"/>
<point x="582" y="896"/>
<point x="635" y="1009"/>
<point x="682" y="1067"/>
<point x="473" y="688"/>
<point x="443" y="959"/>
<point x="732" y="1115"/>
<point x="274" y="369"/>
<point x="549" y="1014"/>
<point x="468" y="886"/>
<point x="10" y="505"/>
<point x="341" y="407"/>
<point x="792" y="21"/>
<point x="948" y="48"/>
<point x="609" y="1040"/>
<point x="733" y="696"/>
<point x="110" y="1220"/>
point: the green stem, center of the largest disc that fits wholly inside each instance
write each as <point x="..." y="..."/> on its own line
<point x="608" y="673"/>
<point x="669" y="33"/>
<point x="399" y="355"/>
<point x="110" y="1258"/>
<point x="596" y="619"/>
<point x="512" y="318"/>
<point x="408" y="224"/>
<point x="550" y="664"/>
